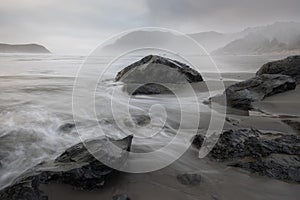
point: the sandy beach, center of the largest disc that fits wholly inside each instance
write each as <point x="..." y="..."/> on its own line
<point x="50" y="131"/>
<point x="220" y="182"/>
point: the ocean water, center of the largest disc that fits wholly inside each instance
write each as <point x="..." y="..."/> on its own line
<point x="36" y="99"/>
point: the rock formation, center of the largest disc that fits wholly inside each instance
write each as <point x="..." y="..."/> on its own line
<point x="151" y="74"/>
<point x="76" y="167"/>
<point x="242" y="94"/>
<point x="289" y="66"/>
<point x="275" y="155"/>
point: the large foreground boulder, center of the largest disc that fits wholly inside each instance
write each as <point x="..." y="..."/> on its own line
<point x="242" y="94"/>
<point x="152" y="75"/>
<point x="76" y="167"/>
<point x="289" y="66"/>
<point x="275" y="155"/>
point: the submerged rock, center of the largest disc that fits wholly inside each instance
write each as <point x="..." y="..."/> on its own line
<point x="189" y="179"/>
<point x="141" y="120"/>
<point x="153" y="73"/>
<point x="67" y="127"/>
<point x="76" y="167"/>
<point x="232" y="121"/>
<point x="289" y="66"/>
<point x="121" y="197"/>
<point x="255" y="151"/>
<point x="242" y="94"/>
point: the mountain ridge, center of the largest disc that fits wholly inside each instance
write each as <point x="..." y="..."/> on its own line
<point x="276" y="38"/>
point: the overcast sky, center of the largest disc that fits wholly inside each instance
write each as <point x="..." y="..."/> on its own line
<point x="79" y="26"/>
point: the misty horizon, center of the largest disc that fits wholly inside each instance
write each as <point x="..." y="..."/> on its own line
<point x="79" y="26"/>
<point x="85" y="52"/>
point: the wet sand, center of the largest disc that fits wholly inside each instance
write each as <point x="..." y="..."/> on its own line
<point x="219" y="182"/>
<point x="286" y="104"/>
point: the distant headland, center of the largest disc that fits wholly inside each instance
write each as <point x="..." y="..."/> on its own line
<point x="23" y="48"/>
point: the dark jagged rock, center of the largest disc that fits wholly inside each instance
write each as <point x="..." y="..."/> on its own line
<point x="76" y="167"/>
<point x="190" y="74"/>
<point x="241" y="95"/>
<point x="121" y="197"/>
<point x="289" y="66"/>
<point x="151" y="74"/>
<point x="277" y="166"/>
<point x="189" y="179"/>
<point x="258" y="152"/>
<point x="66" y="127"/>
<point x="294" y="124"/>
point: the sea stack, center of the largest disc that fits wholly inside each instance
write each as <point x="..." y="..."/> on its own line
<point x="152" y="74"/>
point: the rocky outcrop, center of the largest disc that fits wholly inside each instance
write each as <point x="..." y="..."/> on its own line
<point x="150" y="75"/>
<point x="289" y="66"/>
<point x="241" y="95"/>
<point x="277" y="166"/>
<point x="76" y="167"/>
<point x="274" y="155"/>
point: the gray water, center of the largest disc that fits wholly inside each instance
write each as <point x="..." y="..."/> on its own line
<point x="36" y="99"/>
